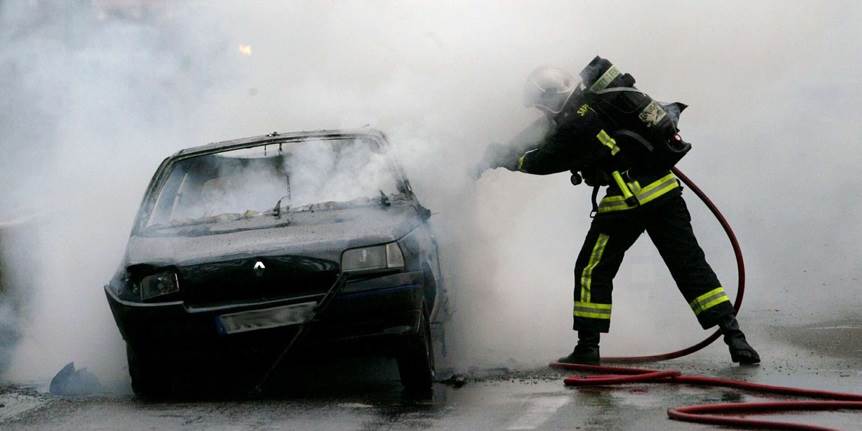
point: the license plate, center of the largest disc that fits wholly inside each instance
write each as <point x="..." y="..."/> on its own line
<point x="267" y="318"/>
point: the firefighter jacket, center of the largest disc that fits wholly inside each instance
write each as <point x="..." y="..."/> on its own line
<point x="582" y="142"/>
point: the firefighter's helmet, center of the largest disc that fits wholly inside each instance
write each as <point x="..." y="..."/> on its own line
<point x="549" y="88"/>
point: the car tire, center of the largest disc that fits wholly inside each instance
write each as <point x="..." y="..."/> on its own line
<point x="416" y="359"/>
<point x="149" y="378"/>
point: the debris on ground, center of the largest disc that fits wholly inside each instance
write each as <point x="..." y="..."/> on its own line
<point x="17" y="402"/>
<point x="455" y="380"/>
<point x="70" y="381"/>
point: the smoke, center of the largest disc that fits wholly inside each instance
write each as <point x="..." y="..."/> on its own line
<point x="322" y="171"/>
<point x="94" y="98"/>
<point x="251" y="181"/>
<point x="232" y="189"/>
<point x="91" y="103"/>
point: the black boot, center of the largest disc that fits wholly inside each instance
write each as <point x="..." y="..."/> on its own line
<point x="740" y="350"/>
<point x="587" y="350"/>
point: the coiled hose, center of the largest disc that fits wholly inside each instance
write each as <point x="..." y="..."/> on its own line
<point x="713" y="413"/>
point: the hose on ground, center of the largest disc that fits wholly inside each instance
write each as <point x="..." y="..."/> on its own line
<point x="714" y="413"/>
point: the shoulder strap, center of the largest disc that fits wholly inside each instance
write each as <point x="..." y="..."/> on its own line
<point x="634" y="136"/>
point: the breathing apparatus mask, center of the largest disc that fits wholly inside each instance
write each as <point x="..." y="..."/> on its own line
<point x="549" y="89"/>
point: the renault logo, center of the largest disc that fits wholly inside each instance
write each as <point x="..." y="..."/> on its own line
<point x="259" y="268"/>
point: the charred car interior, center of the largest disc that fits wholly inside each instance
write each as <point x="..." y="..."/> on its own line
<point x="236" y="243"/>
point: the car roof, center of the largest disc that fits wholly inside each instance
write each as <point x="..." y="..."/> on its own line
<point x="278" y="137"/>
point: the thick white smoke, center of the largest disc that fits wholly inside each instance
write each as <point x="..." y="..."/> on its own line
<point x="253" y="181"/>
<point x="91" y="105"/>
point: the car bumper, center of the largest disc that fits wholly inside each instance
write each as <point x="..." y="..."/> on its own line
<point x="377" y="309"/>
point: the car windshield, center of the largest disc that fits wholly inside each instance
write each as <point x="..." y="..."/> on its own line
<point x="272" y="178"/>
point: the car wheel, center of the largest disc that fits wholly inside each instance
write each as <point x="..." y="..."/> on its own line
<point x="416" y="359"/>
<point x="149" y="379"/>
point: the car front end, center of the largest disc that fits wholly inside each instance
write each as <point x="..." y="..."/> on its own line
<point x="213" y="304"/>
<point x="206" y="286"/>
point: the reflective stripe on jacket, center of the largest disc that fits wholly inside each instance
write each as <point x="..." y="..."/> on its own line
<point x="652" y="191"/>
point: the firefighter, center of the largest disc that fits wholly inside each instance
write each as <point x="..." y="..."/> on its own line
<point x="609" y="133"/>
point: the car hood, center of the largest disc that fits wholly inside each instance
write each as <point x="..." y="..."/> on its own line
<point x="321" y="234"/>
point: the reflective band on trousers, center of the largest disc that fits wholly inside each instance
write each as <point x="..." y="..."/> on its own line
<point x="609" y="142"/>
<point x="650" y="192"/>
<point x="587" y="274"/>
<point x="708" y="300"/>
<point x="592" y="311"/>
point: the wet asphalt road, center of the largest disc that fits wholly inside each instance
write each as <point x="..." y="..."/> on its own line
<point x="826" y="355"/>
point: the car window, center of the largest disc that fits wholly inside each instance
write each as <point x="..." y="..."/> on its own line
<point x="249" y="182"/>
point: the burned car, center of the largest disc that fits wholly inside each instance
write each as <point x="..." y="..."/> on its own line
<point x="237" y="243"/>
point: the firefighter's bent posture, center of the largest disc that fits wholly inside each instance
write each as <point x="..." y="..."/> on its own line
<point x="609" y="133"/>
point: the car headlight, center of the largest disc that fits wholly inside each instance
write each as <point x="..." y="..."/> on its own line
<point x="159" y="284"/>
<point x="376" y="258"/>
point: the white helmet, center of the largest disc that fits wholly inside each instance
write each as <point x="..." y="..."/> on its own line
<point x="549" y="88"/>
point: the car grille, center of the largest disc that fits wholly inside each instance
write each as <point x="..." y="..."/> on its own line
<point x="237" y="281"/>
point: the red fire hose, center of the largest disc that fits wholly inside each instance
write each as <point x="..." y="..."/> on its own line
<point x="712" y="413"/>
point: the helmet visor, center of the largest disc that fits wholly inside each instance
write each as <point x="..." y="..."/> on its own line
<point x="549" y="89"/>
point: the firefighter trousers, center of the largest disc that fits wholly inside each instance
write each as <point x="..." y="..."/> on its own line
<point x="668" y="224"/>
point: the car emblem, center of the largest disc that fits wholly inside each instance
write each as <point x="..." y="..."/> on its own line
<point x="259" y="268"/>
